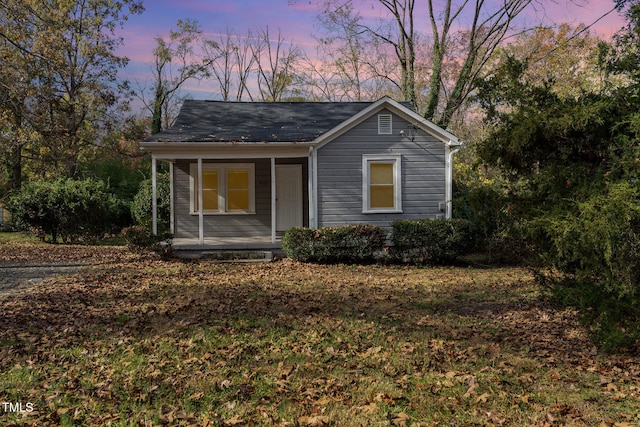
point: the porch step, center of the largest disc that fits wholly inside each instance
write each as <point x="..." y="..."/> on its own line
<point x="232" y="255"/>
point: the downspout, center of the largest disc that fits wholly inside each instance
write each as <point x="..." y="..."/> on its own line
<point x="449" y="182"/>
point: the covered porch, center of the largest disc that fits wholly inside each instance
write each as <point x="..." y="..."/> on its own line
<point x="249" y="196"/>
<point x="231" y="243"/>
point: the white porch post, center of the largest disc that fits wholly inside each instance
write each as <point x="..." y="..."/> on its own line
<point x="312" y="212"/>
<point x="273" y="200"/>
<point x="314" y="193"/>
<point x="200" y="207"/>
<point x="154" y="197"/>
<point x="171" y="201"/>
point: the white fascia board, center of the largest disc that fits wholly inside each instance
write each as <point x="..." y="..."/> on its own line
<point x="424" y="124"/>
<point x="190" y="151"/>
<point x="148" y="145"/>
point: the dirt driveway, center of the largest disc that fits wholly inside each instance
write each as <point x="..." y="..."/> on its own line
<point x="23" y="265"/>
<point x="16" y="278"/>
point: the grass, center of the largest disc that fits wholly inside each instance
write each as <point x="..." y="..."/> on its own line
<point x="8" y="237"/>
<point x="148" y="342"/>
<point x="19" y="238"/>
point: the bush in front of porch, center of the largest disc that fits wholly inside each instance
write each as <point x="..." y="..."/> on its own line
<point x="349" y="244"/>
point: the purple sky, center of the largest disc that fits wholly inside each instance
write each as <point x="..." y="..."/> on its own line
<point x="298" y="23"/>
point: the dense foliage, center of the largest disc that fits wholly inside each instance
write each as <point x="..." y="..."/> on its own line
<point x="349" y="243"/>
<point x="65" y="209"/>
<point x="60" y="83"/>
<point x="430" y="241"/>
<point x="572" y="167"/>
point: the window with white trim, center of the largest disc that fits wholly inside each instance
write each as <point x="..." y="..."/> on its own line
<point x="227" y="188"/>
<point x="381" y="184"/>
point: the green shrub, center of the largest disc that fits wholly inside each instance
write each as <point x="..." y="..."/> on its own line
<point x="484" y="206"/>
<point x="430" y="241"/>
<point x="299" y="243"/>
<point x="67" y="209"/>
<point x="141" y="207"/>
<point x="350" y="243"/>
<point x="140" y="238"/>
<point x="509" y="246"/>
<point x="596" y="249"/>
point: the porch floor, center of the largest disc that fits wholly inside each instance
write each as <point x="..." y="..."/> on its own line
<point x="232" y="243"/>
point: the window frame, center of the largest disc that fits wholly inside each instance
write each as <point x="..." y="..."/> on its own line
<point x="222" y="169"/>
<point x="396" y="161"/>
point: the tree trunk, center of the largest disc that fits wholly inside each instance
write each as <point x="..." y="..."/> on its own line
<point x="434" y="86"/>
<point x="16" y="167"/>
<point x="156" y="117"/>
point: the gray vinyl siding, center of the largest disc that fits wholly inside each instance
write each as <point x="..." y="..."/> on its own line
<point x="230" y="225"/>
<point x="340" y="174"/>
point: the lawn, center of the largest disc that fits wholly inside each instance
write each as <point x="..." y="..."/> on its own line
<point x="133" y="340"/>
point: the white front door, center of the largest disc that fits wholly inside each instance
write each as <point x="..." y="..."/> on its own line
<point x="288" y="196"/>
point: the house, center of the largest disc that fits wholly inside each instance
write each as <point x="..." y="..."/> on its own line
<point x="243" y="172"/>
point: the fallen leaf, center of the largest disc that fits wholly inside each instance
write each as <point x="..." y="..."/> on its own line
<point x="370" y="408"/>
<point x="400" y="419"/>
<point x="234" y="421"/>
<point x="196" y="396"/>
<point x="483" y="398"/>
<point x="314" y="421"/>
<point x="471" y="391"/>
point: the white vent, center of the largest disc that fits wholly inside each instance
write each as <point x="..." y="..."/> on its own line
<point x="384" y="124"/>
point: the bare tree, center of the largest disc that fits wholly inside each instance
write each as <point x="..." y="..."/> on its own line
<point x="350" y="64"/>
<point x="343" y="54"/>
<point x="341" y="18"/>
<point x="219" y="57"/>
<point x="229" y="60"/>
<point x="483" y="25"/>
<point x="276" y="61"/>
<point x="244" y="64"/>
<point x="174" y="63"/>
<point x="490" y="24"/>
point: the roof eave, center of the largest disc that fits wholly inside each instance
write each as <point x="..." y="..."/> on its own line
<point x="149" y="145"/>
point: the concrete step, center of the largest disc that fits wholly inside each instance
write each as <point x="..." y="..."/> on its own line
<point x="229" y="255"/>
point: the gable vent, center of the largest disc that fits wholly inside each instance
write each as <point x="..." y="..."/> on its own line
<point x="384" y="124"/>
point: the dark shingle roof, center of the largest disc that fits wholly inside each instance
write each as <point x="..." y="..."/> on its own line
<point x="220" y="121"/>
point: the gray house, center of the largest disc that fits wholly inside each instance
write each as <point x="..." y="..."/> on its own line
<point x="243" y="172"/>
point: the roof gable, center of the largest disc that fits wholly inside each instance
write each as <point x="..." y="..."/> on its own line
<point x="397" y="108"/>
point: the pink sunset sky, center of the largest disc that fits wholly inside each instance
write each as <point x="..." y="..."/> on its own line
<point x="297" y="21"/>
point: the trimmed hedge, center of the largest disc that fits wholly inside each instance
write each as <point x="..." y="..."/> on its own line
<point x="430" y="241"/>
<point x="349" y="243"/>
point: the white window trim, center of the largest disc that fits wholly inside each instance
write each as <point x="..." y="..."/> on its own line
<point x="222" y="169"/>
<point x="383" y="130"/>
<point x="397" y="182"/>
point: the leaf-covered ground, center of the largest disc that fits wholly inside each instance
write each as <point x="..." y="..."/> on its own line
<point x="133" y="340"/>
